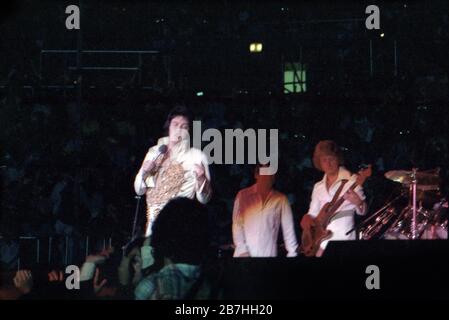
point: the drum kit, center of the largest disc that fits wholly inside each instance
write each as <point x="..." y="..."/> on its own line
<point x="418" y="212"/>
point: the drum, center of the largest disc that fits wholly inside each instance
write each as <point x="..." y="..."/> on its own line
<point x="437" y="228"/>
<point x="435" y="232"/>
<point x="401" y="229"/>
<point x="428" y="199"/>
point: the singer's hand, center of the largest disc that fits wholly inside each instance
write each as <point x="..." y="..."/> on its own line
<point x="199" y="173"/>
<point x="147" y="166"/>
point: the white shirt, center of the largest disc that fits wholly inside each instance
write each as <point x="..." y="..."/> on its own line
<point x="321" y="196"/>
<point x="255" y="225"/>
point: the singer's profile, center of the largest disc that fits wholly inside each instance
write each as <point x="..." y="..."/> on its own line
<point x="172" y="168"/>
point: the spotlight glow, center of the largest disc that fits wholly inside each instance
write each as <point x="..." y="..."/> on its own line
<point x="255" y="47"/>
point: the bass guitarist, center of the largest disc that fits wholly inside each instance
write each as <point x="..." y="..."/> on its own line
<point x="337" y="183"/>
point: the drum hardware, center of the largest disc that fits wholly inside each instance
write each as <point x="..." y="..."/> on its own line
<point x="422" y="218"/>
<point x="424" y="181"/>
<point x="377" y="220"/>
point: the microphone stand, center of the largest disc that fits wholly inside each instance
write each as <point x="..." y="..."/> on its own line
<point x="136" y="216"/>
<point x="413" y="196"/>
<point x="138" y="198"/>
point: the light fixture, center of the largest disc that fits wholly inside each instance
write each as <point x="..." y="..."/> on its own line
<point x="255" y="47"/>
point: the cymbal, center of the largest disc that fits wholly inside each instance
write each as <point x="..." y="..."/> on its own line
<point x="425" y="180"/>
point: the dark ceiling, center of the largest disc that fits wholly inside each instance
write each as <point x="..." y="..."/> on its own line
<point x="204" y="45"/>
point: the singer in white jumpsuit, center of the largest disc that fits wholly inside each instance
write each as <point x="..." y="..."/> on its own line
<point x="180" y="172"/>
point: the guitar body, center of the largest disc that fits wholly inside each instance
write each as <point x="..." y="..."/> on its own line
<point x="313" y="236"/>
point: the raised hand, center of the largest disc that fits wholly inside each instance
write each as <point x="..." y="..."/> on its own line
<point x="23" y="281"/>
<point x="100" y="257"/>
<point x="54" y="276"/>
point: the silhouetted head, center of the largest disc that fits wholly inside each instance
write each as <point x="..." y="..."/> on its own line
<point x="181" y="231"/>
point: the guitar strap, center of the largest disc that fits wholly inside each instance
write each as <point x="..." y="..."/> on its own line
<point x="335" y="199"/>
<point x="337" y="194"/>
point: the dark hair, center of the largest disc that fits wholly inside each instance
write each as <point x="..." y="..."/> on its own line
<point x="181" y="231"/>
<point x="178" y="110"/>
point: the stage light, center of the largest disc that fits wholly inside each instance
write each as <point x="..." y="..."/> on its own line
<point x="200" y="94"/>
<point x="255" y="47"/>
<point x="382" y="35"/>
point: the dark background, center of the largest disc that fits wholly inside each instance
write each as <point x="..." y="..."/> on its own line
<point x="73" y="136"/>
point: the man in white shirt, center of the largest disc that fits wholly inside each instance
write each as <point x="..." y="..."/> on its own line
<point x="181" y="171"/>
<point x="258" y="213"/>
<point x="328" y="158"/>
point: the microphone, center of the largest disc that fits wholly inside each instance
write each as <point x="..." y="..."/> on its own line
<point x="162" y="150"/>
